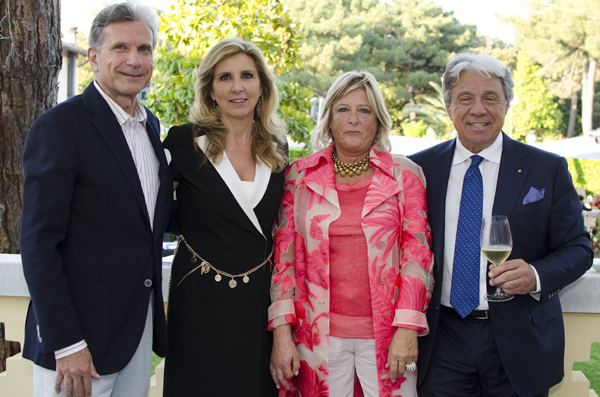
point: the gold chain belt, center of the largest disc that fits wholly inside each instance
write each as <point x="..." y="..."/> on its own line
<point x="206" y="266"/>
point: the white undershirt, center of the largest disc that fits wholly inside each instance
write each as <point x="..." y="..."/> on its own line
<point x="248" y="188"/>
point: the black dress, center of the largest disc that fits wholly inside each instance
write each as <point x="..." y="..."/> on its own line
<point x="218" y="343"/>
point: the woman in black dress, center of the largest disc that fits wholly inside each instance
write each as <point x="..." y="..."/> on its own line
<point x="228" y="170"/>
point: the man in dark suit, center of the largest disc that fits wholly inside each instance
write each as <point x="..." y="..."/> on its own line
<point x="96" y="200"/>
<point x="477" y="347"/>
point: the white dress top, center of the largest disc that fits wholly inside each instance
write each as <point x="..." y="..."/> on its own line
<point x="247" y="197"/>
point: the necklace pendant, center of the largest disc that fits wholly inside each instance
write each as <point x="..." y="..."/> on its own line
<point x="218" y="278"/>
<point x="193" y="260"/>
<point x="366" y="167"/>
<point x="232" y="283"/>
<point x="358" y="172"/>
<point x="350" y="173"/>
<point x="343" y="173"/>
<point x="246" y="279"/>
<point x="336" y="170"/>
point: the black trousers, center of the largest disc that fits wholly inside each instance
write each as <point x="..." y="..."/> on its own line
<point x="465" y="360"/>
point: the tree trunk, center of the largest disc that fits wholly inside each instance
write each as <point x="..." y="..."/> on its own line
<point x="7" y="348"/>
<point x="30" y="57"/>
<point x="573" y="114"/>
<point x="587" y="101"/>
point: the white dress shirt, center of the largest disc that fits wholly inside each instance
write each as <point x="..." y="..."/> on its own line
<point x="146" y="162"/>
<point x="489" y="169"/>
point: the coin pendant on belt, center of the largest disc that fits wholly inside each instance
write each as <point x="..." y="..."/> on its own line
<point x="205" y="268"/>
<point x="193" y="260"/>
<point x="246" y="279"/>
<point x="232" y="283"/>
<point x="218" y="278"/>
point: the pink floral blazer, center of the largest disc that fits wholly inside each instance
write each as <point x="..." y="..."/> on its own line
<point x="394" y="221"/>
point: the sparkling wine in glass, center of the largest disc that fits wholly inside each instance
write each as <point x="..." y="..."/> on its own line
<point x="496" y="245"/>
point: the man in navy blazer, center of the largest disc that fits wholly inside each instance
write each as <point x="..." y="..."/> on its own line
<point x="512" y="348"/>
<point x="96" y="200"/>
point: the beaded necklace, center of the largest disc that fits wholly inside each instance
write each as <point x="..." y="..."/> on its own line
<point x="350" y="169"/>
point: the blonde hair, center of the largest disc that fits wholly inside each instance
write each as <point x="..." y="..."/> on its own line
<point x="350" y="81"/>
<point x="268" y="130"/>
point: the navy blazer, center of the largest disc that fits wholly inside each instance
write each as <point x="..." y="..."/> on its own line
<point x="549" y="234"/>
<point x="87" y="245"/>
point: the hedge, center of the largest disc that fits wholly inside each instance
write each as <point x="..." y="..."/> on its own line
<point x="585" y="174"/>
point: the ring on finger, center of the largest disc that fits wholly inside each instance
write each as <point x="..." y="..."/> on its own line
<point x="411" y="367"/>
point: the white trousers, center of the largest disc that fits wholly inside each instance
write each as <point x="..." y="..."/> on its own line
<point x="132" y="381"/>
<point x="346" y="355"/>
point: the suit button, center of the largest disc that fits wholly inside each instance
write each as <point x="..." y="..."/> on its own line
<point x="386" y="314"/>
<point x="381" y="245"/>
<point x="148" y="283"/>
<point x="383" y="280"/>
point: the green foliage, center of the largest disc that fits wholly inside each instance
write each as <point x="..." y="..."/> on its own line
<point x="188" y="30"/>
<point x="85" y="75"/>
<point x="562" y="36"/>
<point x="591" y="369"/>
<point x="296" y="153"/>
<point x="415" y="128"/>
<point x="293" y="100"/>
<point x="535" y="109"/>
<point x="585" y="174"/>
<point x="404" y="43"/>
<point x="431" y="113"/>
<point x="505" y="53"/>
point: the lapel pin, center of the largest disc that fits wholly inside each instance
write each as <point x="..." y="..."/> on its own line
<point x="519" y="171"/>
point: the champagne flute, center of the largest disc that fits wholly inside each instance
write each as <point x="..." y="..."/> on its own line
<point x="496" y="245"/>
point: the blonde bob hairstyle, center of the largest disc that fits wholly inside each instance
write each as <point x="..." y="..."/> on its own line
<point x="268" y="130"/>
<point x="350" y="81"/>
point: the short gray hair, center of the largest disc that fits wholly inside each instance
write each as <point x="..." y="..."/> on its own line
<point x="349" y="81"/>
<point x="121" y="12"/>
<point x="484" y="64"/>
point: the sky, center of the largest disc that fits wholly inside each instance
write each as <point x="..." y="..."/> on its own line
<point x="481" y="13"/>
<point x="484" y="14"/>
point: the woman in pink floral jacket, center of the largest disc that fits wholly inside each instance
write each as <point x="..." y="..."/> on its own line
<point x="352" y="278"/>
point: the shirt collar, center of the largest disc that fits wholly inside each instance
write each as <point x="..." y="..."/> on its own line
<point x="381" y="161"/>
<point x="121" y="115"/>
<point x="492" y="153"/>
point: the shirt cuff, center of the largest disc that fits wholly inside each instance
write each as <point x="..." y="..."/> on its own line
<point x="411" y="319"/>
<point x="67" y="351"/>
<point x="538" y="286"/>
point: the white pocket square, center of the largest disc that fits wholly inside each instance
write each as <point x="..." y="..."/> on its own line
<point x="533" y="195"/>
<point x="168" y="156"/>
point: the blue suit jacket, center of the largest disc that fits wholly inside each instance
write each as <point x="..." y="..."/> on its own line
<point x="549" y="234"/>
<point x="86" y="240"/>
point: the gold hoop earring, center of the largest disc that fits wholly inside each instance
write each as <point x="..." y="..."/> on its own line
<point x="259" y="107"/>
<point x="215" y="110"/>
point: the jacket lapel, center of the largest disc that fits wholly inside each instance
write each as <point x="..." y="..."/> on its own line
<point x="384" y="184"/>
<point x="511" y="176"/>
<point x="230" y="180"/>
<point x="320" y="178"/>
<point x="110" y="130"/>
<point x="437" y="187"/>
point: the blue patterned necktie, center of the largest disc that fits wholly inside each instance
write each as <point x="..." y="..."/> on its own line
<point x="464" y="295"/>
